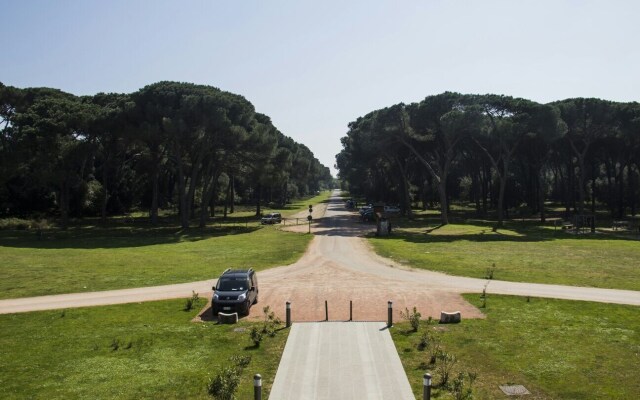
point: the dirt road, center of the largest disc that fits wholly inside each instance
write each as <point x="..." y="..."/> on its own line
<point x="340" y="267"/>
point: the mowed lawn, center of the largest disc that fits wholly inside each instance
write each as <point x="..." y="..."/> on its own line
<point x="557" y="349"/>
<point x="87" y="259"/>
<point x="133" y="351"/>
<point x="521" y="252"/>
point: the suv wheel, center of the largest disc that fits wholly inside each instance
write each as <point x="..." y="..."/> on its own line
<point x="247" y="308"/>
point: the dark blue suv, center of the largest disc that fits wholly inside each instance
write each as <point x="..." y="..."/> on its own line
<point x="236" y="291"/>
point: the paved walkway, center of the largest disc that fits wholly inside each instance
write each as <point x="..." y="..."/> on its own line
<point x="340" y="360"/>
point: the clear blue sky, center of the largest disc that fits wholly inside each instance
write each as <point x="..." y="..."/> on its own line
<point x="314" y="66"/>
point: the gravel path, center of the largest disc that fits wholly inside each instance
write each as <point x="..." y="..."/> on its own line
<point x="339" y="267"/>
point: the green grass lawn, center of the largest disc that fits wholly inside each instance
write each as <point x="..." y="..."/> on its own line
<point x="86" y="259"/>
<point x="129" y="252"/>
<point x="522" y="252"/>
<point x="133" y="351"/>
<point x="556" y="349"/>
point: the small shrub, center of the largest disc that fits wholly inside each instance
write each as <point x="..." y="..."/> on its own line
<point x="256" y="335"/>
<point x="489" y="274"/>
<point x="240" y="361"/>
<point x="446" y="362"/>
<point x="188" y="306"/>
<point x="413" y="318"/>
<point x="462" y="385"/>
<point x="483" y="296"/>
<point x="115" y="345"/>
<point x="224" y="385"/>
<point x="271" y="322"/>
<point x="434" y="349"/>
<point x="424" y="341"/>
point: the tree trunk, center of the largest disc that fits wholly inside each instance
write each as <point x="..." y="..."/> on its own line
<point x="425" y="194"/>
<point x="621" y="191"/>
<point x="611" y="190"/>
<point x="226" y="198"/>
<point x="442" y="193"/>
<point x="567" y="187"/>
<point x="441" y="179"/>
<point x="209" y="187"/>
<point x="182" y="193"/>
<point x="155" y="190"/>
<point x="541" y="194"/>
<point x="593" y="188"/>
<point x="64" y="204"/>
<point x="258" y="199"/>
<point x="233" y="195"/>
<point x="405" y="189"/>
<point x="503" y="185"/>
<point x="581" y="179"/>
<point x="105" y="190"/>
<point x="632" y="189"/>
<point x="485" y="181"/>
<point x="475" y="179"/>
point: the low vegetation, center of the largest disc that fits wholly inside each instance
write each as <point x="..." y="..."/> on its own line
<point x="132" y="253"/>
<point x="134" y="351"/>
<point x="90" y="259"/>
<point x="555" y="348"/>
<point x="521" y="252"/>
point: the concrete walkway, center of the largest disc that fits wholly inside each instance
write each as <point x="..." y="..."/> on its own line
<point x="107" y="297"/>
<point x="340" y="360"/>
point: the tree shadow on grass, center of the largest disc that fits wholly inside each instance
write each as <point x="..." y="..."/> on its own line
<point x="481" y="230"/>
<point x="110" y="237"/>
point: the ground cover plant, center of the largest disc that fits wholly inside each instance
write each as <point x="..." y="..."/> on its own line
<point x="134" y="351"/>
<point x="87" y="259"/>
<point x="555" y="348"/>
<point x="521" y="251"/>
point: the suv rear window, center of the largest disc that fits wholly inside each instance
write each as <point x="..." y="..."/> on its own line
<point x="232" y="284"/>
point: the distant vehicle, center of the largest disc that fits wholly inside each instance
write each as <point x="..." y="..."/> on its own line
<point x="365" y="209"/>
<point x="236" y="291"/>
<point x="368" y="215"/>
<point x="271" y="218"/>
<point x="350" y="204"/>
<point x="391" y="209"/>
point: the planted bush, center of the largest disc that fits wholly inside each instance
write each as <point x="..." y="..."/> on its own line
<point x="225" y="384"/>
<point x="188" y="306"/>
<point x="413" y="317"/>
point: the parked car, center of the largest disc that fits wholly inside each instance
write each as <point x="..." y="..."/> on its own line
<point x="235" y="291"/>
<point x="391" y="209"/>
<point x="368" y="215"/>
<point x="271" y="218"/>
<point x="365" y="209"/>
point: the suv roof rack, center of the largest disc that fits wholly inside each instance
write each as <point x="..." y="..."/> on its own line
<point x="236" y="270"/>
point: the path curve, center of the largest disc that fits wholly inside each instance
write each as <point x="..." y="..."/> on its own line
<point x="339" y="266"/>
